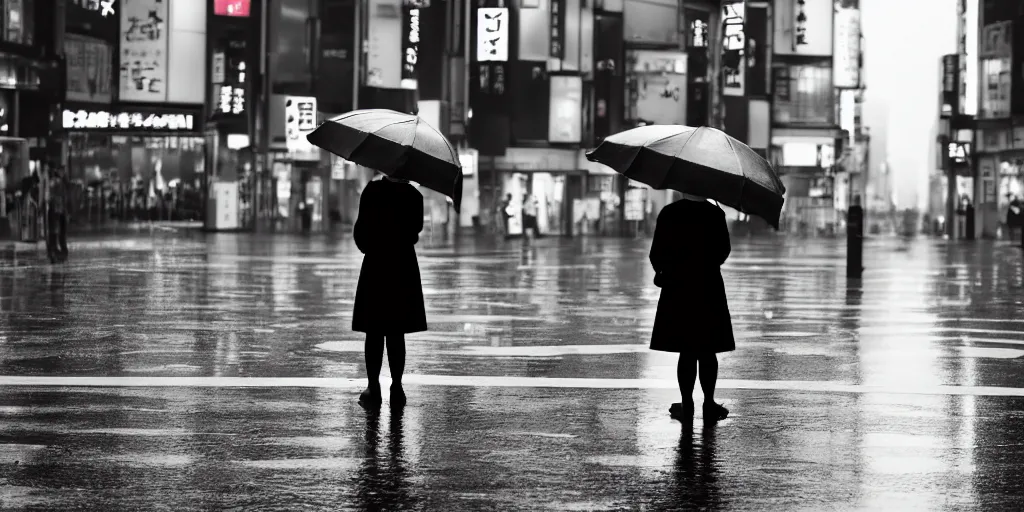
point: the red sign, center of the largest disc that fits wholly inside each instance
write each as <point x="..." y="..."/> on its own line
<point x="239" y="8"/>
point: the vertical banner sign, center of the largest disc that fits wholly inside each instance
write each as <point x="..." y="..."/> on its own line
<point x="410" y="46"/>
<point x="230" y="78"/>
<point x="846" y="59"/>
<point x="384" y="55"/>
<point x="557" y="29"/>
<point x="89" y="69"/>
<point x="733" y="47"/>
<point x="492" y="34"/>
<point x="143" y="50"/>
<point x="757" y="33"/>
<point x="812" y="27"/>
<point x="950" y="81"/>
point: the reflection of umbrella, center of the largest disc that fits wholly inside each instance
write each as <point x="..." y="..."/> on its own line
<point x="701" y="161"/>
<point x="399" y="145"/>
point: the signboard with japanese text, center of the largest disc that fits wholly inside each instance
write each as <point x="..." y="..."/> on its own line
<point x="300" y="120"/>
<point x="130" y="120"/>
<point x="950" y="83"/>
<point x="733" y="49"/>
<point x="803" y="27"/>
<point x="846" y="58"/>
<point x="492" y="34"/>
<point x="143" y="51"/>
<point x="89" y="75"/>
<point x="410" y="46"/>
<point x="230" y="77"/>
<point x="556" y="26"/>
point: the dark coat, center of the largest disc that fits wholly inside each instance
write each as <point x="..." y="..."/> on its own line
<point x="691" y="242"/>
<point x="389" y="296"/>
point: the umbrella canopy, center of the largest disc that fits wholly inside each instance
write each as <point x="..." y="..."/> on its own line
<point x="399" y="145"/>
<point x="700" y="161"/>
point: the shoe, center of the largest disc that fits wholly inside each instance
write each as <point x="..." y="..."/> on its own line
<point x="714" y="412"/>
<point x="398" y="398"/>
<point x="369" y="400"/>
<point x="683" y="413"/>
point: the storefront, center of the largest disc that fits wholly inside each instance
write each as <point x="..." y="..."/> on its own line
<point x="135" y="163"/>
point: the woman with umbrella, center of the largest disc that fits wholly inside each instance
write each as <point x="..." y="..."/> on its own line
<point x="691" y="239"/>
<point x="389" y="297"/>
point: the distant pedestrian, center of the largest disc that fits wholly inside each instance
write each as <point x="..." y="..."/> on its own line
<point x="389" y="296"/>
<point x="1015" y="218"/>
<point x="57" y="221"/>
<point x="691" y="242"/>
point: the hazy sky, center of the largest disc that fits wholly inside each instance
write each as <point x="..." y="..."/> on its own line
<point x="904" y="41"/>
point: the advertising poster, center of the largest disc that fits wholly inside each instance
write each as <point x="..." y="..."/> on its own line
<point x="565" y="117"/>
<point x="143" y="51"/>
<point x="89" y="69"/>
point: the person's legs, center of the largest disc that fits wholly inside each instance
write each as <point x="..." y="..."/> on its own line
<point x="708" y="379"/>
<point x="396" y="361"/>
<point x="686" y="373"/>
<point x="708" y="376"/>
<point x="374" y="353"/>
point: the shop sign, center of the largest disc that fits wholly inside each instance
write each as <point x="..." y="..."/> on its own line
<point x="144" y="50"/>
<point x="468" y="159"/>
<point x="384" y="56"/>
<point x="410" y="46"/>
<point x="812" y="27"/>
<point x="492" y="34"/>
<point x="230" y="76"/>
<point x="300" y="119"/>
<point x="950" y="85"/>
<point x="105" y="8"/>
<point x="733" y="48"/>
<point x="128" y="120"/>
<point x="847" y="48"/>
<point x="958" y="152"/>
<point x="234" y="8"/>
<point x="556" y="27"/>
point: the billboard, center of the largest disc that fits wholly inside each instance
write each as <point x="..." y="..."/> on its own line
<point x="143" y="51"/>
<point x="384" y="55"/>
<point x="90" y="75"/>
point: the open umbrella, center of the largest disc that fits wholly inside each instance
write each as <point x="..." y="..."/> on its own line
<point x="399" y="145"/>
<point x="701" y="161"/>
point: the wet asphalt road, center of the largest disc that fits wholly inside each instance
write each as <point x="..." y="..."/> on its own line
<point x="185" y="371"/>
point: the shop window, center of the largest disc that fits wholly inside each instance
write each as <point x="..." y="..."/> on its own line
<point x="18" y="22"/>
<point x="803" y="94"/>
<point x="995" y="86"/>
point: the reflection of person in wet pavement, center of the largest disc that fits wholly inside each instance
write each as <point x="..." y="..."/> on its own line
<point x="389" y="296"/>
<point x="691" y="242"/>
<point x="383" y="481"/>
<point x="57" y="241"/>
<point x="695" y="475"/>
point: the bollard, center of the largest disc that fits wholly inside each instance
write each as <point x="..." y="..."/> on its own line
<point x="855" y="240"/>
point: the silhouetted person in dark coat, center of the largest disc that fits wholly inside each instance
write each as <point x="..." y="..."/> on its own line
<point x="389" y="296"/>
<point x="691" y="242"/>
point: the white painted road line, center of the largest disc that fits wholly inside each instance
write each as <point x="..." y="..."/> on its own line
<point x="895" y="388"/>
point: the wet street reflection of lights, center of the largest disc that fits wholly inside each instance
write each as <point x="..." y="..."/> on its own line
<point x="177" y="366"/>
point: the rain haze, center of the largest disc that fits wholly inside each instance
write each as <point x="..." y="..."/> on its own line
<point x="904" y="41"/>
